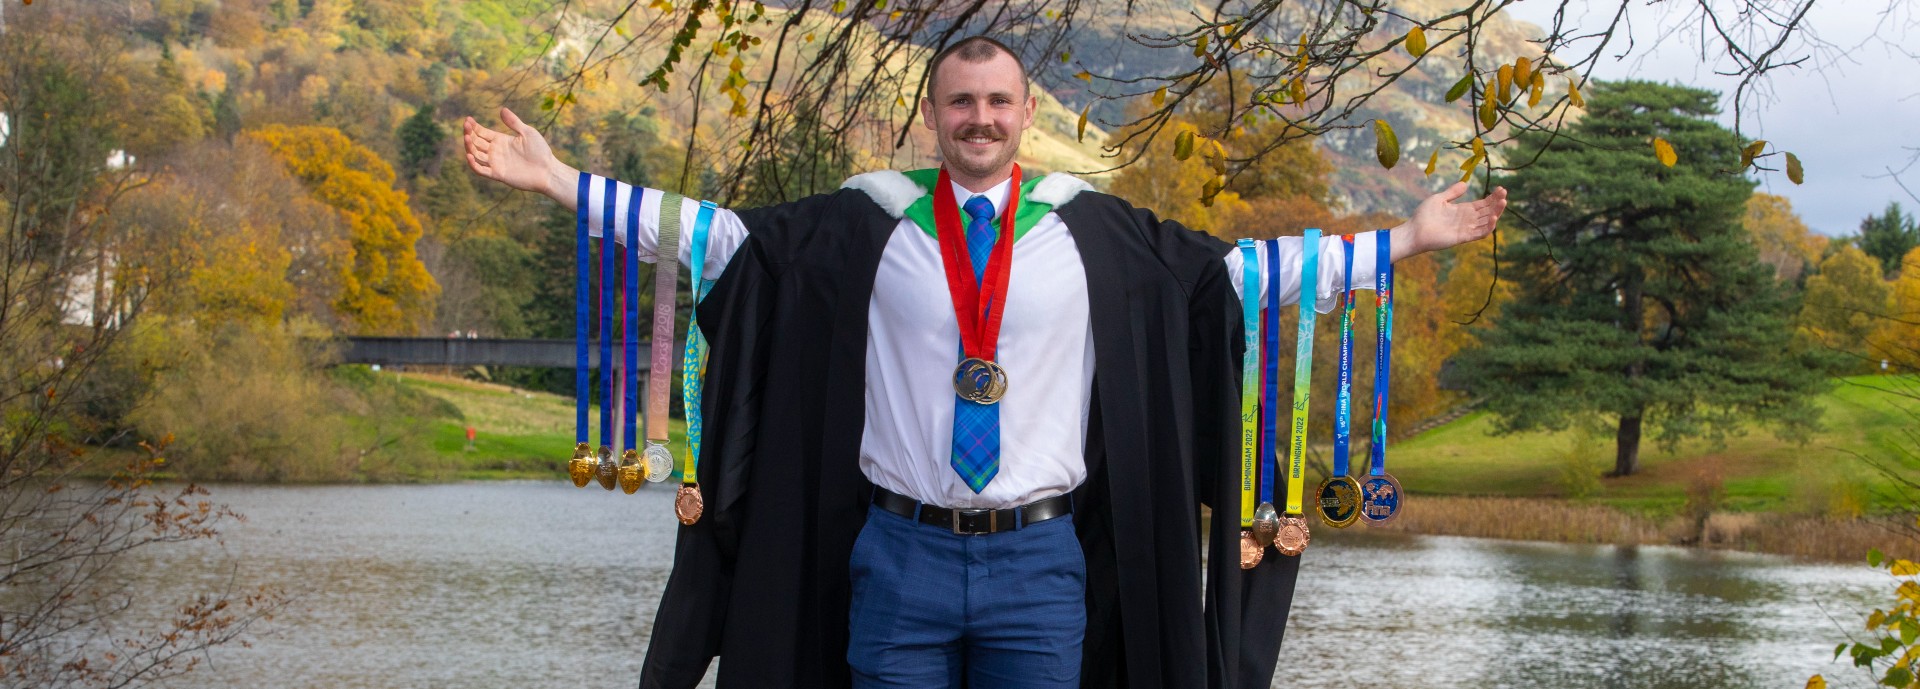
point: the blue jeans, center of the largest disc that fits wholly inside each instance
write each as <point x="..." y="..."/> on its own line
<point x="936" y="609"/>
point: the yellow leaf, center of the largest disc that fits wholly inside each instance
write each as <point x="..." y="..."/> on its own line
<point x="1200" y="46"/>
<point x="1573" y="94"/>
<point x="1160" y="97"/>
<point x="1472" y="161"/>
<point x="1539" y="81"/>
<point x="1183" y="145"/>
<point x="1664" y="151"/>
<point x="1298" y="89"/>
<point x="1416" y="41"/>
<point x="1903" y="568"/>
<point x="809" y="38"/>
<point x="895" y="15"/>
<point x="1211" y="190"/>
<point x="1479" y="148"/>
<point x="1751" y="151"/>
<point x="1081" y="135"/>
<point x="1506" y="83"/>
<point x="1794" y="172"/>
<point x="839" y="6"/>
<point x="1816" y="682"/>
<point x="1064" y="55"/>
<point x="1523" y="72"/>
<point x="1488" y="116"/>
<point x="1533" y="94"/>
<point x="1085" y="76"/>
<point x="1386" y="146"/>
<point x="1875" y="620"/>
<point x="1433" y="160"/>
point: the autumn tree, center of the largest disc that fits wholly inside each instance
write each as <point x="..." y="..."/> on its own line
<point x="387" y="289"/>
<point x="1844" y="307"/>
<point x="1638" y="296"/>
<point x="1781" y="237"/>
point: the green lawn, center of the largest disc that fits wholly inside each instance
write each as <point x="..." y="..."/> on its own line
<point x="1758" y="471"/>
<point x="518" y="434"/>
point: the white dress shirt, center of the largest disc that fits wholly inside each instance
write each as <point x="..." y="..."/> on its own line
<point x="913" y="343"/>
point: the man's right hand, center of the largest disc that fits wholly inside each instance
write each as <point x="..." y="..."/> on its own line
<point x="519" y="158"/>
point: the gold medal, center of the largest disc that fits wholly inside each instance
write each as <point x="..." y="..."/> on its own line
<point x="1250" y="551"/>
<point x="980" y="381"/>
<point x="580" y="468"/>
<point x="1293" y="537"/>
<point x="1266" y="523"/>
<point x="630" y="478"/>
<point x="607" y="471"/>
<point x="1339" y="503"/>
<point x="687" y="504"/>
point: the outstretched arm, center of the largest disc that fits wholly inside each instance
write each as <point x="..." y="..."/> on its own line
<point x="1439" y="223"/>
<point x="519" y="158"/>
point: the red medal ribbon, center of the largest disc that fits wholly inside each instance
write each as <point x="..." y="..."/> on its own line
<point x="978" y="308"/>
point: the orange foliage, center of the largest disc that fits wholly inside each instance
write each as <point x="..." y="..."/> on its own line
<point x="387" y="290"/>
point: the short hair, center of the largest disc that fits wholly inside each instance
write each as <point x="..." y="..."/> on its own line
<point x="973" y="49"/>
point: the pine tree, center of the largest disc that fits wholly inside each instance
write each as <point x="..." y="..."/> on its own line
<point x="420" y="139"/>
<point x="1640" y="299"/>
<point x="1888" y="237"/>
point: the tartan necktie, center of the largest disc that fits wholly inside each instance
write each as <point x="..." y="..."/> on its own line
<point x="976" y="427"/>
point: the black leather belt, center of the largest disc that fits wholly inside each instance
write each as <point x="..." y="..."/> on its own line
<point x="973" y="522"/>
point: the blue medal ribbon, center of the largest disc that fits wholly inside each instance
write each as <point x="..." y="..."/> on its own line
<point x="1383" y="352"/>
<point x="582" y="313"/>
<point x="631" y="381"/>
<point x="1343" y="402"/>
<point x="1270" y="395"/>
<point x="609" y="284"/>
<point x="693" y="360"/>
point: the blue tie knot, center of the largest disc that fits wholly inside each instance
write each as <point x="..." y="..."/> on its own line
<point x="979" y="209"/>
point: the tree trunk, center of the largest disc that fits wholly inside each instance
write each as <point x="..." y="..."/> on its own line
<point x="1626" y="458"/>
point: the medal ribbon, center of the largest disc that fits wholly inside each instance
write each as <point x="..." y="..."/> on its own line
<point x="666" y="276"/>
<point x="1249" y="375"/>
<point x="1383" y="352"/>
<point x="693" y="361"/>
<point x="1303" y="368"/>
<point x="609" y="283"/>
<point x="1343" y="404"/>
<point x="1270" y="371"/>
<point x="978" y="309"/>
<point x="630" y="333"/>
<point x="582" y="310"/>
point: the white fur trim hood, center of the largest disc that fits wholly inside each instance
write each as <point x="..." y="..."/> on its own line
<point x="895" y="192"/>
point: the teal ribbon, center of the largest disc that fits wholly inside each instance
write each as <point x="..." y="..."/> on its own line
<point x="693" y="360"/>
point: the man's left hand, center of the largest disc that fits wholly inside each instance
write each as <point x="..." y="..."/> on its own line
<point x="1440" y="223"/>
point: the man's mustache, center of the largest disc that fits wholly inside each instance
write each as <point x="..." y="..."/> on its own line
<point x="980" y="130"/>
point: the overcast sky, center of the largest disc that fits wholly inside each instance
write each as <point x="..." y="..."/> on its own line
<point x="1850" y="113"/>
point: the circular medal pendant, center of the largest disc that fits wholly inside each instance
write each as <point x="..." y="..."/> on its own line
<point x="607" y="471"/>
<point x="979" y="381"/>
<point x="1380" y="498"/>
<point x="1250" y="551"/>
<point x="687" y="504"/>
<point x="1293" y="537"/>
<point x="1266" y="523"/>
<point x="659" y="462"/>
<point x="580" y="468"/>
<point x="1339" y="503"/>
<point x="630" y="477"/>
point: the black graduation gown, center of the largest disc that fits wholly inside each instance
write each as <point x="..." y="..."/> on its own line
<point x="762" y="579"/>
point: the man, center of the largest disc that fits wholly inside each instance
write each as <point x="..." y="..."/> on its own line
<point x="849" y="539"/>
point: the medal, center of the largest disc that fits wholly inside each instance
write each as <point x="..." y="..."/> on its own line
<point x="1380" y="494"/>
<point x="630" y="472"/>
<point x="607" y="472"/>
<point x="581" y="467"/>
<point x="1339" y="497"/>
<point x="666" y="276"/>
<point x="1266" y="519"/>
<point x="1293" y="537"/>
<point x="687" y="502"/>
<point x="1251" y="548"/>
<point x="978" y="308"/>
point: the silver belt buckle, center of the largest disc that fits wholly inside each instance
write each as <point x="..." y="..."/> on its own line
<point x="993" y="521"/>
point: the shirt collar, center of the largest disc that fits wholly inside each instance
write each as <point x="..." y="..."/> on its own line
<point x="997" y="195"/>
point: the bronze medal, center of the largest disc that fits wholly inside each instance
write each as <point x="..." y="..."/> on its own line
<point x="1266" y="523"/>
<point x="1293" y="537"/>
<point x="1339" y="503"/>
<point x="607" y="471"/>
<point x="1250" y="551"/>
<point x="580" y="468"/>
<point x="980" y="381"/>
<point x="687" y="504"/>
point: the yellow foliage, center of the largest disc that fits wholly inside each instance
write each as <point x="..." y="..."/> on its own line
<point x="388" y="289"/>
<point x="1842" y="306"/>
<point x="1783" y="240"/>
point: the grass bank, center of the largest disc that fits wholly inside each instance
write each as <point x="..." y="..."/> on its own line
<point x="518" y="434"/>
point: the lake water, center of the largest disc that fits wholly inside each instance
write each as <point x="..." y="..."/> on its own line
<point x="525" y="584"/>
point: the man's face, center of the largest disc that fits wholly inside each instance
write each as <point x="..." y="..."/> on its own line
<point x="978" y="111"/>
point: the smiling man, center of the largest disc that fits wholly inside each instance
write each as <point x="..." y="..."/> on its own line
<point x="902" y="494"/>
